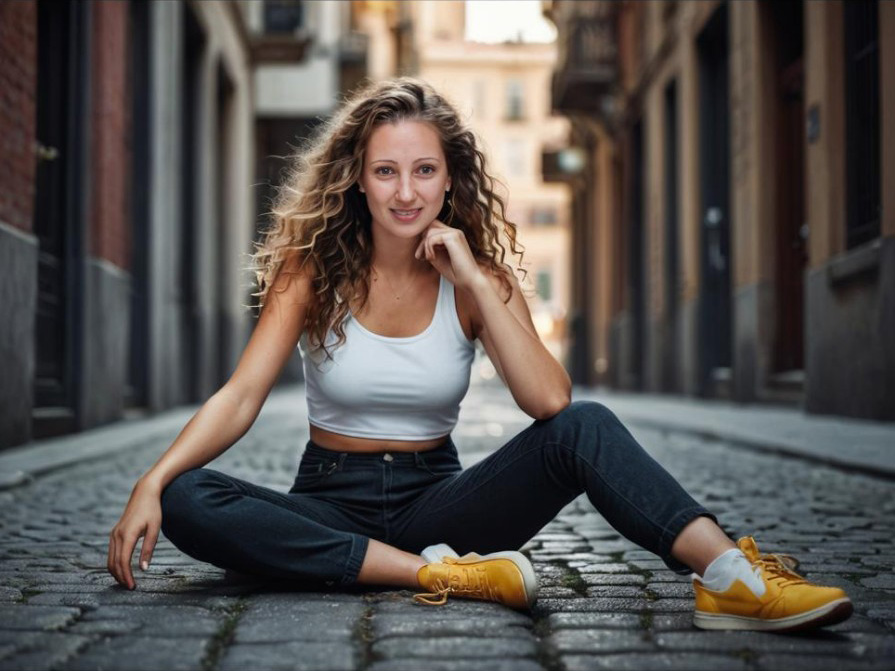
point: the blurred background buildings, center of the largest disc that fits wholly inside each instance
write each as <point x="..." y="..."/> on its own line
<point x="734" y="212"/>
<point x="705" y="190"/>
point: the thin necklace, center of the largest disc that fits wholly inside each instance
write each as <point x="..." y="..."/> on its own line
<point x="391" y="286"/>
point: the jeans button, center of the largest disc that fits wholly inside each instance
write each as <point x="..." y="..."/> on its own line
<point x="387" y="457"/>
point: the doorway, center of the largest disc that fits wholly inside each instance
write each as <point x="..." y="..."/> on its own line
<point x="636" y="268"/>
<point x="791" y="231"/>
<point x="138" y="194"/>
<point x="671" y="348"/>
<point x="58" y="203"/>
<point x="714" y="155"/>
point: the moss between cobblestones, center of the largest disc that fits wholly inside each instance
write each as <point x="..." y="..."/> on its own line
<point x="646" y="621"/>
<point x="573" y="580"/>
<point x="27" y="593"/>
<point x="547" y="655"/>
<point x="747" y="655"/>
<point x="224" y="636"/>
<point x="363" y="633"/>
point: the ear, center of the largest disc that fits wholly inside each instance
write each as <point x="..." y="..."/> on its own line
<point x="447" y="187"/>
<point x="361" y="187"/>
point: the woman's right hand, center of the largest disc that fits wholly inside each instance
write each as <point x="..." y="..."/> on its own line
<point x="141" y="517"/>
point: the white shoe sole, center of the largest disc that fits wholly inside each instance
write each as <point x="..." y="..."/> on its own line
<point x="828" y="614"/>
<point x="437" y="553"/>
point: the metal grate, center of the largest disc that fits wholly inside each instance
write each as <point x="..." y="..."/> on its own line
<point x="862" y="138"/>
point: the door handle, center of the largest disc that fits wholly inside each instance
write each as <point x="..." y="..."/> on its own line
<point x="712" y="221"/>
<point x="44" y="153"/>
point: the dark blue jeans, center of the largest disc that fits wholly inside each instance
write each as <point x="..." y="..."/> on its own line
<point x="319" y="530"/>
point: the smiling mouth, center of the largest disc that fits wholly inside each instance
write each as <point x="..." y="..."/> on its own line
<point x="407" y="214"/>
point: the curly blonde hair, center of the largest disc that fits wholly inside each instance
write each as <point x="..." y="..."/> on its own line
<point x="320" y="214"/>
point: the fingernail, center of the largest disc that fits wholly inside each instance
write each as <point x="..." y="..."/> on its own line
<point x="144" y="565"/>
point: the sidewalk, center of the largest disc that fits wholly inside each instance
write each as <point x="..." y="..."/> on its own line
<point x="854" y="445"/>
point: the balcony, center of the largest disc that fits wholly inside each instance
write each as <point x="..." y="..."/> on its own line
<point x="284" y="37"/>
<point x="586" y="75"/>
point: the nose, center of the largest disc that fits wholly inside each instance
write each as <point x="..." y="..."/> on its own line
<point x="405" y="193"/>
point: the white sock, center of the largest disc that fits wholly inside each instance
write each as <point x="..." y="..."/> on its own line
<point x="729" y="566"/>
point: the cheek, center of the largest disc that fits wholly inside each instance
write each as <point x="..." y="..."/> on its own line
<point x="435" y="193"/>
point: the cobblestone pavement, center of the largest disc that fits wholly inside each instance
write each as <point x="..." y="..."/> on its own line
<point x="604" y="603"/>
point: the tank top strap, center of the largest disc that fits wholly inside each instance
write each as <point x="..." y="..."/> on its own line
<point x="447" y="312"/>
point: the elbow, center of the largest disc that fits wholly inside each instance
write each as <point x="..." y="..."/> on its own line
<point x="553" y="406"/>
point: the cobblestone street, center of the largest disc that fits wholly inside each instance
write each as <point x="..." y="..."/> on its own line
<point x="604" y="603"/>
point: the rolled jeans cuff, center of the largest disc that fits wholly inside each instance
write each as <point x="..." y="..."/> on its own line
<point x="355" y="560"/>
<point x="671" y="531"/>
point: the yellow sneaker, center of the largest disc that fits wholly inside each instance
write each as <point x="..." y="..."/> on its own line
<point x="504" y="577"/>
<point x="773" y="598"/>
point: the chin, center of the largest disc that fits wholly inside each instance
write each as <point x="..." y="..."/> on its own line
<point x="406" y="230"/>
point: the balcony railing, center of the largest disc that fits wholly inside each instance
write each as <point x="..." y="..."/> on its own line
<point x="587" y="71"/>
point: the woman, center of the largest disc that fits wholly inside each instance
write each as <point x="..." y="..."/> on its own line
<point x="386" y="262"/>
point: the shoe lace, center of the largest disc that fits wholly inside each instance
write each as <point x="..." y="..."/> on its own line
<point x="790" y="561"/>
<point x="776" y="567"/>
<point x="460" y="581"/>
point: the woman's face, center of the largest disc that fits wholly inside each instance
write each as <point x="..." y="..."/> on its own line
<point x="404" y="177"/>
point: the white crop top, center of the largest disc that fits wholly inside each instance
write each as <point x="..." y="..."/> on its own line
<point x="392" y="388"/>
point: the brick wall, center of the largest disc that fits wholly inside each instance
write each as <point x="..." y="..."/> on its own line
<point x="18" y="91"/>
<point x="110" y="218"/>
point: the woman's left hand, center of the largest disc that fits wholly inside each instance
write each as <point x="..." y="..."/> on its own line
<point x="446" y="248"/>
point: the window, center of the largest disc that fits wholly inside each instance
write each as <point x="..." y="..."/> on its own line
<point x="543" y="284"/>
<point x="544" y="215"/>
<point x="514" y="157"/>
<point x="515" y="109"/>
<point x="282" y="16"/>
<point x="478" y="98"/>
<point x="862" y="126"/>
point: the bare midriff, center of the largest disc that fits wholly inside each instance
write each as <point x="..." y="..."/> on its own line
<point x="336" y="441"/>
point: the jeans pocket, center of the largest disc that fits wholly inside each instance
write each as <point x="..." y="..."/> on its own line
<point x="312" y="473"/>
<point x="440" y="468"/>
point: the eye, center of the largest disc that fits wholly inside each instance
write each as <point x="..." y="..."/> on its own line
<point x="427" y="169"/>
<point x="383" y="170"/>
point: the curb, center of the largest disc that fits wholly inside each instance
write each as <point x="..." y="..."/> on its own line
<point x="21" y="465"/>
<point x="850" y="465"/>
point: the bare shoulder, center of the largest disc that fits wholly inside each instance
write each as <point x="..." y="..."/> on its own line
<point x="277" y="331"/>
<point x="293" y="279"/>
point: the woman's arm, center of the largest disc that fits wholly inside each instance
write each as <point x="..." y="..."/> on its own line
<point x="221" y="421"/>
<point x="539" y="384"/>
<point x="537" y="381"/>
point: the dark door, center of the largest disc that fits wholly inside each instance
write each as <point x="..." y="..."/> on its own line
<point x="55" y="215"/>
<point x="670" y="348"/>
<point x="635" y="257"/>
<point x="190" y="213"/>
<point x="789" y="161"/>
<point x="138" y="81"/>
<point x="714" y="153"/>
<point x="224" y="336"/>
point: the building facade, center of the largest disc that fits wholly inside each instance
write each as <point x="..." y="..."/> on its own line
<point x="126" y="214"/>
<point x="503" y="92"/>
<point x="736" y="204"/>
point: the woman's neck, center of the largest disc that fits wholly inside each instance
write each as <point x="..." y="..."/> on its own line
<point x="396" y="256"/>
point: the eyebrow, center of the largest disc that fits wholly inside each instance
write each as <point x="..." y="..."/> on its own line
<point x="389" y="160"/>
